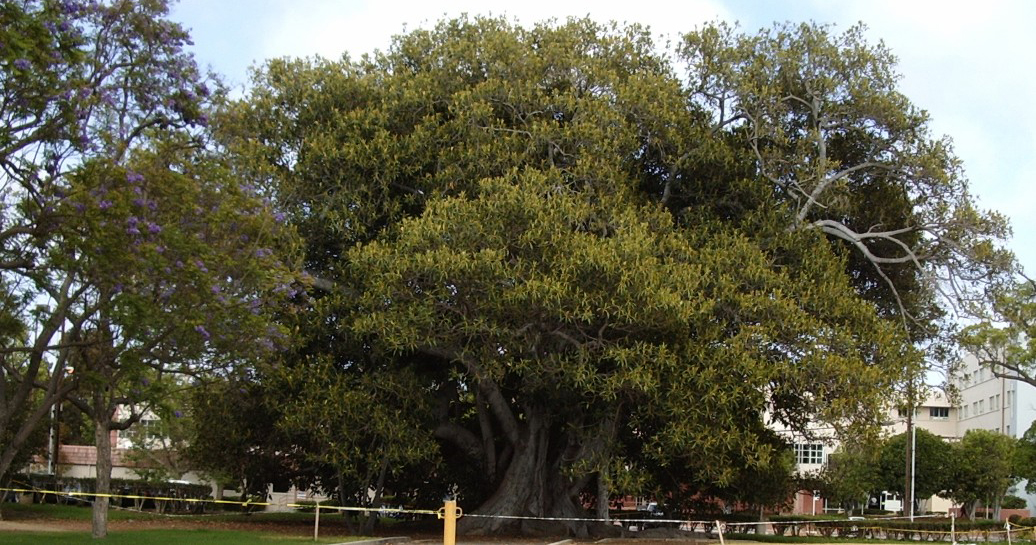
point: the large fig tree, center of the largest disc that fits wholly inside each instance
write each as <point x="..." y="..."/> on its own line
<point x="609" y="261"/>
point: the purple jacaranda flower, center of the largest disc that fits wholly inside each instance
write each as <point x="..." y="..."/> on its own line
<point x="104" y="205"/>
<point x="64" y="26"/>
<point x="178" y="414"/>
<point x="153" y="228"/>
<point x="132" y="230"/>
<point x="179" y="264"/>
<point x="117" y="288"/>
<point x="22" y="64"/>
<point x="160" y="249"/>
<point x="152" y="205"/>
<point x="201" y="329"/>
<point x="278" y="217"/>
<point x="140" y="202"/>
<point x="132" y="220"/>
<point x="201" y="265"/>
<point x="145" y="381"/>
<point x="216" y="289"/>
<point x="138" y="190"/>
<point x="85" y="92"/>
<point x="80" y="207"/>
<point x="263" y="252"/>
<point x="134" y="177"/>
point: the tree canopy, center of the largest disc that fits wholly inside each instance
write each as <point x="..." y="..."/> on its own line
<point x="598" y="258"/>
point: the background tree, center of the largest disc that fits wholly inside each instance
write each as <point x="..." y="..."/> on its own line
<point x="933" y="463"/>
<point x="235" y="439"/>
<point x="983" y="470"/>
<point x="1025" y="459"/>
<point x="851" y="475"/>
<point x="364" y="426"/>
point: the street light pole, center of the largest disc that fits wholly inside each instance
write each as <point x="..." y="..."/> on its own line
<point x="913" y="469"/>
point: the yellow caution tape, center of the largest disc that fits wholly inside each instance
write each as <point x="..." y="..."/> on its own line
<point x="131" y="496"/>
<point x="364" y="509"/>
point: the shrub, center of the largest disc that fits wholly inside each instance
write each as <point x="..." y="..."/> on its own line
<point x="1013" y="502"/>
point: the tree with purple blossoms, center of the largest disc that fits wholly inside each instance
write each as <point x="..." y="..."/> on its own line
<point x="127" y="252"/>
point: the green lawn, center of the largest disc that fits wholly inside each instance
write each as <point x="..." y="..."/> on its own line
<point x="820" y="539"/>
<point x="159" y="537"/>
<point x="50" y="511"/>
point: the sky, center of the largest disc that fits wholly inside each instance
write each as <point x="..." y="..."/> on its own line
<point x="971" y="65"/>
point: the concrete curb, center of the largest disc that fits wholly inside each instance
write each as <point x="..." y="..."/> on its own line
<point x="562" y="542"/>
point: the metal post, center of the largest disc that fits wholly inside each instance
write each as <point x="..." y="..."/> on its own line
<point x="953" y="527"/>
<point x="316" y="524"/>
<point x="719" y="530"/>
<point x="913" y="469"/>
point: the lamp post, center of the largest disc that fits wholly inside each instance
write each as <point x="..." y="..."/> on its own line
<point x="913" y="468"/>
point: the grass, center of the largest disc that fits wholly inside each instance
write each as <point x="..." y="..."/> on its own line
<point x="769" y="538"/>
<point x="160" y="537"/>
<point x="51" y="511"/>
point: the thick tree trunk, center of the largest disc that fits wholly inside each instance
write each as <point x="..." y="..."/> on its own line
<point x="532" y="486"/>
<point x="102" y="440"/>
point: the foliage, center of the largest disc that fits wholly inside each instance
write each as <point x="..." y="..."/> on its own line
<point x="934" y="469"/>
<point x="1025" y="459"/>
<point x="233" y="436"/>
<point x="1013" y="502"/>
<point x="1006" y="342"/>
<point x="851" y="475"/>
<point x="363" y="426"/>
<point x="983" y="467"/>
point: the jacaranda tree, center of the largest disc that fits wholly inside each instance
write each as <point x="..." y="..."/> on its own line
<point x="129" y="252"/>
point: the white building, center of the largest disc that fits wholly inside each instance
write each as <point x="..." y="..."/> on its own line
<point x="998" y="404"/>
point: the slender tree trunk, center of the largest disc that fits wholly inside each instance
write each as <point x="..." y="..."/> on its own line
<point x="102" y="440"/>
<point x="603" y="495"/>
<point x="343" y="500"/>
<point x="379" y="488"/>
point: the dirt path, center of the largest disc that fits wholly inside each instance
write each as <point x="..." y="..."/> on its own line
<point x="47" y="526"/>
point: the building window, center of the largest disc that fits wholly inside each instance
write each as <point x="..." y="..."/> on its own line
<point x="981" y="406"/>
<point x="811" y="453"/>
<point x="939" y="413"/>
<point x="963" y="411"/>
